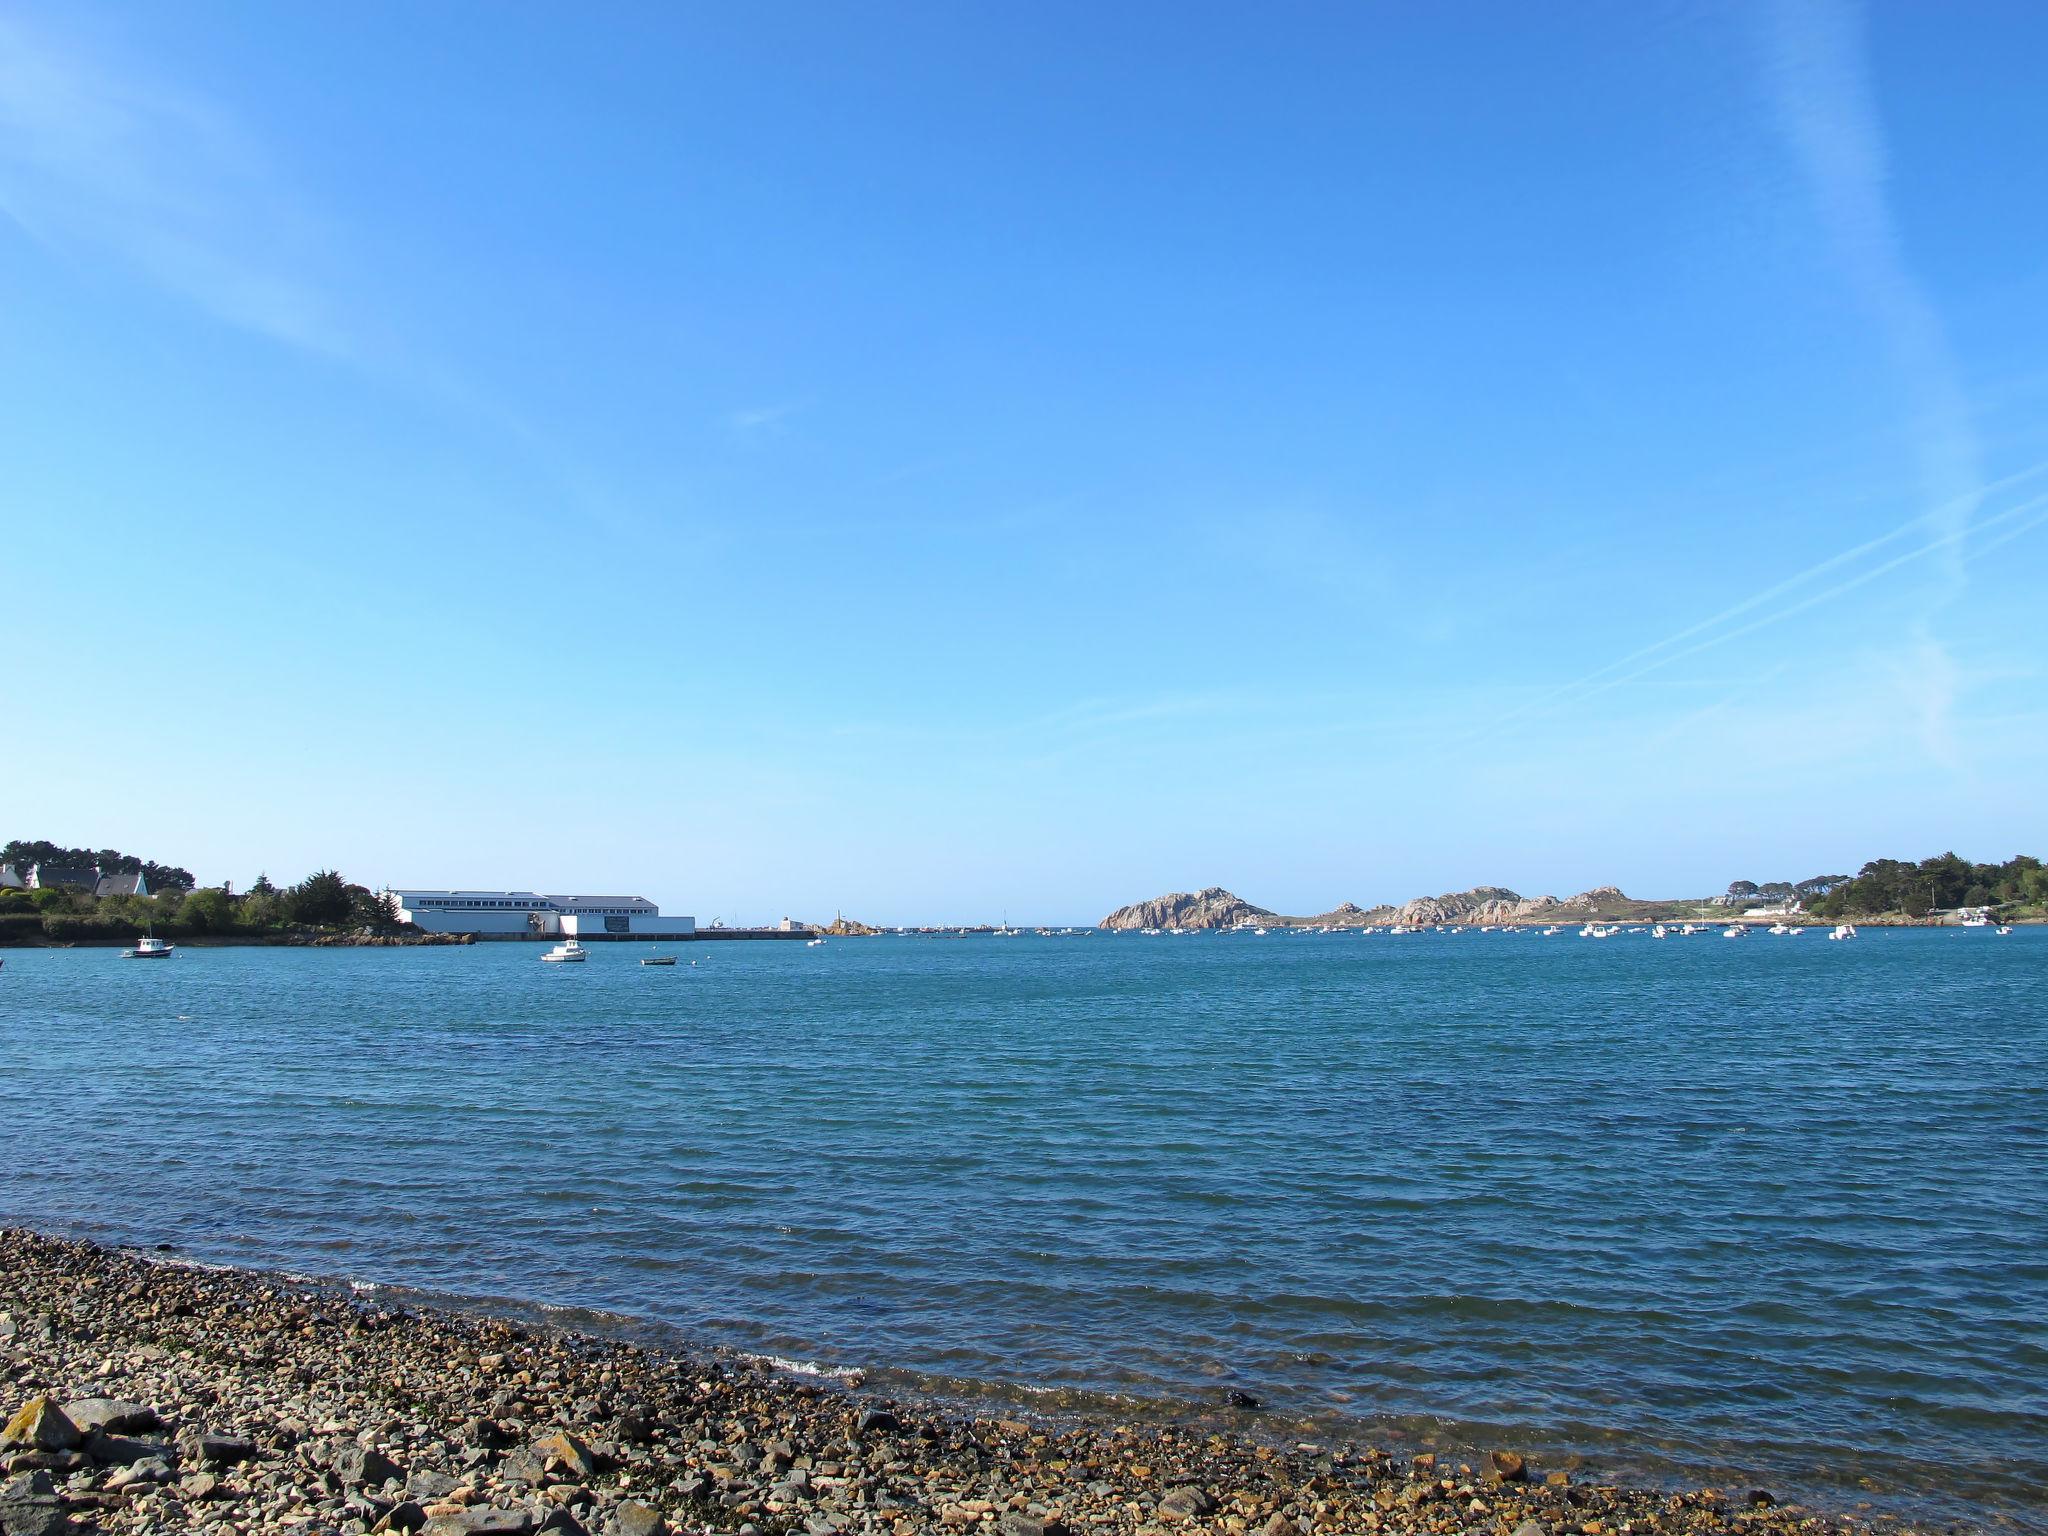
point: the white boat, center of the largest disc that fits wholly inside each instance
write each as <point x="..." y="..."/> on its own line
<point x="568" y="949"/>
<point x="1733" y="931"/>
<point x="2004" y="928"/>
<point x="1843" y="931"/>
<point x="150" y="948"/>
<point x="1657" y="932"/>
<point x="814" y="944"/>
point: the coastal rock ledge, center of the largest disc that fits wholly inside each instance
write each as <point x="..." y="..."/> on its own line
<point x="148" y="1399"/>
<point x="1211" y="908"/>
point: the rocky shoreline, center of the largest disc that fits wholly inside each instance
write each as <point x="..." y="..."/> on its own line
<point x="152" y="1397"/>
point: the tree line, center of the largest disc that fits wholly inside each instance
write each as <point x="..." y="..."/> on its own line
<point x="1939" y="884"/>
<point x="323" y="901"/>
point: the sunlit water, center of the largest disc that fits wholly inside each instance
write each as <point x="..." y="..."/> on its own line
<point x="1774" y="1209"/>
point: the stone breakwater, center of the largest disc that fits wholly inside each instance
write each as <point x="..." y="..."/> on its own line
<point x="142" y="1396"/>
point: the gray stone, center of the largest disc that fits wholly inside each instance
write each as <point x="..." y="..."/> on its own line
<point x="153" y="1470"/>
<point x="481" y="1522"/>
<point x="1531" y="1528"/>
<point x="112" y="1415"/>
<point x="363" y="1467"/>
<point x="522" y="1467"/>
<point x="29" y="1507"/>
<point x="34" y="1517"/>
<point x="632" y="1518"/>
<point x="484" y="1432"/>
<point x="215" y="1450"/>
<point x="1186" y="1503"/>
<point x="1015" y="1524"/>
<point x="428" y="1485"/>
<point x="120" y="1450"/>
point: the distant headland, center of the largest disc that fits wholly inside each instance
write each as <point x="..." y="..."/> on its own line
<point x="1941" y="888"/>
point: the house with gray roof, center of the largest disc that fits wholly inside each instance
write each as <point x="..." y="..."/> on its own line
<point x="87" y="878"/>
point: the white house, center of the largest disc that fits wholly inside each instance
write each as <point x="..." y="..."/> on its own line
<point x="92" y="879"/>
<point x="534" y="914"/>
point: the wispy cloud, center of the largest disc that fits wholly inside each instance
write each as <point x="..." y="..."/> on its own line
<point x="758" y="422"/>
<point x="1820" y="86"/>
<point x="1824" y="106"/>
<point x="102" y="159"/>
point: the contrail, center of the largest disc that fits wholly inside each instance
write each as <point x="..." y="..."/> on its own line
<point x="1946" y="545"/>
<point x="1941" y="517"/>
<point x="1826" y="108"/>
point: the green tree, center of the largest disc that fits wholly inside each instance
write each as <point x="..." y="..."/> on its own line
<point x="377" y="912"/>
<point x="323" y="899"/>
<point x="263" y="909"/>
<point x="210" y="910"/>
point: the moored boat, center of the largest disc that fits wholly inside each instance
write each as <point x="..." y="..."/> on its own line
<point x="568" y="949"/>
<point x="149" y="948"/>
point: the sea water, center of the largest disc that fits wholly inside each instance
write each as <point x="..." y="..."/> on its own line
<point x="1773" y="1210"/>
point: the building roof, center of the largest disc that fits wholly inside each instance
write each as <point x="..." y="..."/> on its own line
<point x="10" y="878"/>
<point x="47" y="875"/>
<point x="121" y="883"/>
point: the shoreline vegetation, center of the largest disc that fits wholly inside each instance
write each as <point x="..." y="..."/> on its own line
<point x="141" y="1394"/>
<point x="66" y="907"/>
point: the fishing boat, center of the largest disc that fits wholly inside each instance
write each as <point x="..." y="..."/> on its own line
<point x="814" y="944"/>
<point x="148" y="948"/>
<point x="1843" y="931"/>
<point x="568" y="949"/>
<point x="657" y="959"/>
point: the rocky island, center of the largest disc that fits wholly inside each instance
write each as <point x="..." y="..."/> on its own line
<point x="142" y="1396"/>
<point x="1218" y="908"/>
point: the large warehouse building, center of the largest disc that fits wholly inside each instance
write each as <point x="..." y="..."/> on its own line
<point x="529" y="914"/>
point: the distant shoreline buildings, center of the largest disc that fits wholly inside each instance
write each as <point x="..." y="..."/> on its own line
<point x="535" y="915"/>
<point x="94" y="881"/>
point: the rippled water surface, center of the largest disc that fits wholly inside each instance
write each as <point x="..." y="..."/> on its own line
<point x="1775" y="1209"/>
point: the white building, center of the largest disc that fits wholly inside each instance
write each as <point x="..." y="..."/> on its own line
<point x="532" y="914"/>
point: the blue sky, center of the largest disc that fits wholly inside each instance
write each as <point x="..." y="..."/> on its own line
<point x="935" y="460"/>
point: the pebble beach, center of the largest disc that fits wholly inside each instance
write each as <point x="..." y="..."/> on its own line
<point x="144" y="1395"/>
